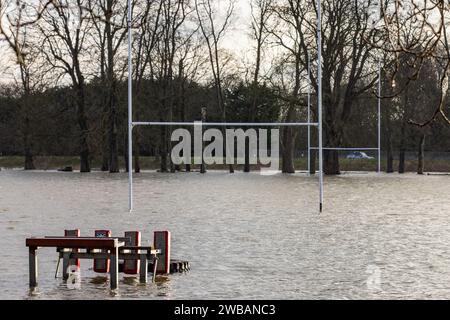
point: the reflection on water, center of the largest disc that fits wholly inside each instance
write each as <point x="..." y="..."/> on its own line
<point x="246" y="236"/>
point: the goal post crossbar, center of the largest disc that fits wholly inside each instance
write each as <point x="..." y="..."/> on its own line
<point x="211" y="124"/>
<point x="346" y="149"/>
<point x="227" y="124"/>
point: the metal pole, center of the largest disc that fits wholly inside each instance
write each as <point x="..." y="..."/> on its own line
<point x="309" y="114"/>
<point x="228" y="124"/>
<point x="130" y="111"/>
<point x="379" y="115"/>
<point x="319" y="94"/>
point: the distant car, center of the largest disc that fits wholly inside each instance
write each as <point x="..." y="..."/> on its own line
<point x="359" y="155"/>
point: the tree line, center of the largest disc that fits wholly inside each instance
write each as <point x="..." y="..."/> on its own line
<point x="66" y="61"/>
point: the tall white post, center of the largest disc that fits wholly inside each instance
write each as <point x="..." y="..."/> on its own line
<point x="309" y="114"/>
<point x="319" y="95"/>
<point x="379" y="115"/>
<point x="130" y="111"/>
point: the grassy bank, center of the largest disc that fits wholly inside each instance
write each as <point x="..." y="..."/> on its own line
<point x="152" y="163"/>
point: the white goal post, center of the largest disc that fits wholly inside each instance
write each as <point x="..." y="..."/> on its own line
<point x="309" y="123"/>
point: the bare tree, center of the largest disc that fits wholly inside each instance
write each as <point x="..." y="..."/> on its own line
<point x="65" y="31"/>
<point x="109" y="19"/>
<point x="346" y="61"/>
<point x="213" y="31"/>
<point x="287" y="31"/>
<point x="148" y="17"/>
<point x="16" y="19"/>
<point x="174" y="14"/>
<point x="261" y="12"/>
<point x="417" y="29"/>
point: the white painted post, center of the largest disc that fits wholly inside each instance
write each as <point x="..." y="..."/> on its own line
<point x="319" y="94"/>
<point x="379" y="115"/>
<point x="130" y="111"/>
<point x="309" y="114"/>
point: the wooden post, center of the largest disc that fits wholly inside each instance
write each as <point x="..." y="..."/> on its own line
<point x="102" y="265"/>
<point x="143" y="268"/>
<point x="162" y="242"/>
<point x="133" y="239"/>
<point x="33" y="266"/>
<point x="114" y="268"/>
<point x="66" y="264"/>
<point x="73" y="233"/>
<point x="420" y="157"/>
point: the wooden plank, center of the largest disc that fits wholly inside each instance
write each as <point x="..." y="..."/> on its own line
<point x="85" y="243"/>
<point x="104" y="255"/>
<point x="121" y="239"/>
<point x="33" y="266"/>
<point x="137" y="248"/>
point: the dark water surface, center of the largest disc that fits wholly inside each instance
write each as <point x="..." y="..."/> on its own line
<point x="246" y="236"/>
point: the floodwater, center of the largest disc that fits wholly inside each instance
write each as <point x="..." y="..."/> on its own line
<point x="246" y="236"/>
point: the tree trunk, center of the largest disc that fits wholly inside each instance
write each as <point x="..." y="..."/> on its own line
<point x="113" y="147"/>
<point x="288" y="150"/>
<point x="251" y="118"/>
<point x="112" y="98"/>
<point x="389" y="149"/>
<point x="224" y="119"/>
<point x="288" y="141"/>
<point x="420" y="158"/>
<point x="401" y="161"/>
<point x="247" y="156"/>
<point x="105" y="152"/>
<point x="163" y="149"/>
<point x="312" y="162"/>
<point x="331" y="162"/>
<point x="105" y="130"/>
<point x="331" y="157"/>
<point x="137" y="153"/>
<point x="84" y="130"/>
<point x="183" y="107"/>
<point x="389" y="158"/>
<point x="29" y="162"/>
<point x="125" y="154"/>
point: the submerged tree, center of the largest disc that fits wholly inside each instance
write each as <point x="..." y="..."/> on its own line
<point x="347" y="61"/>
<point x="213" y="32"/>
<point x="16" y="20"/>
<point x="64" y="32"/>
